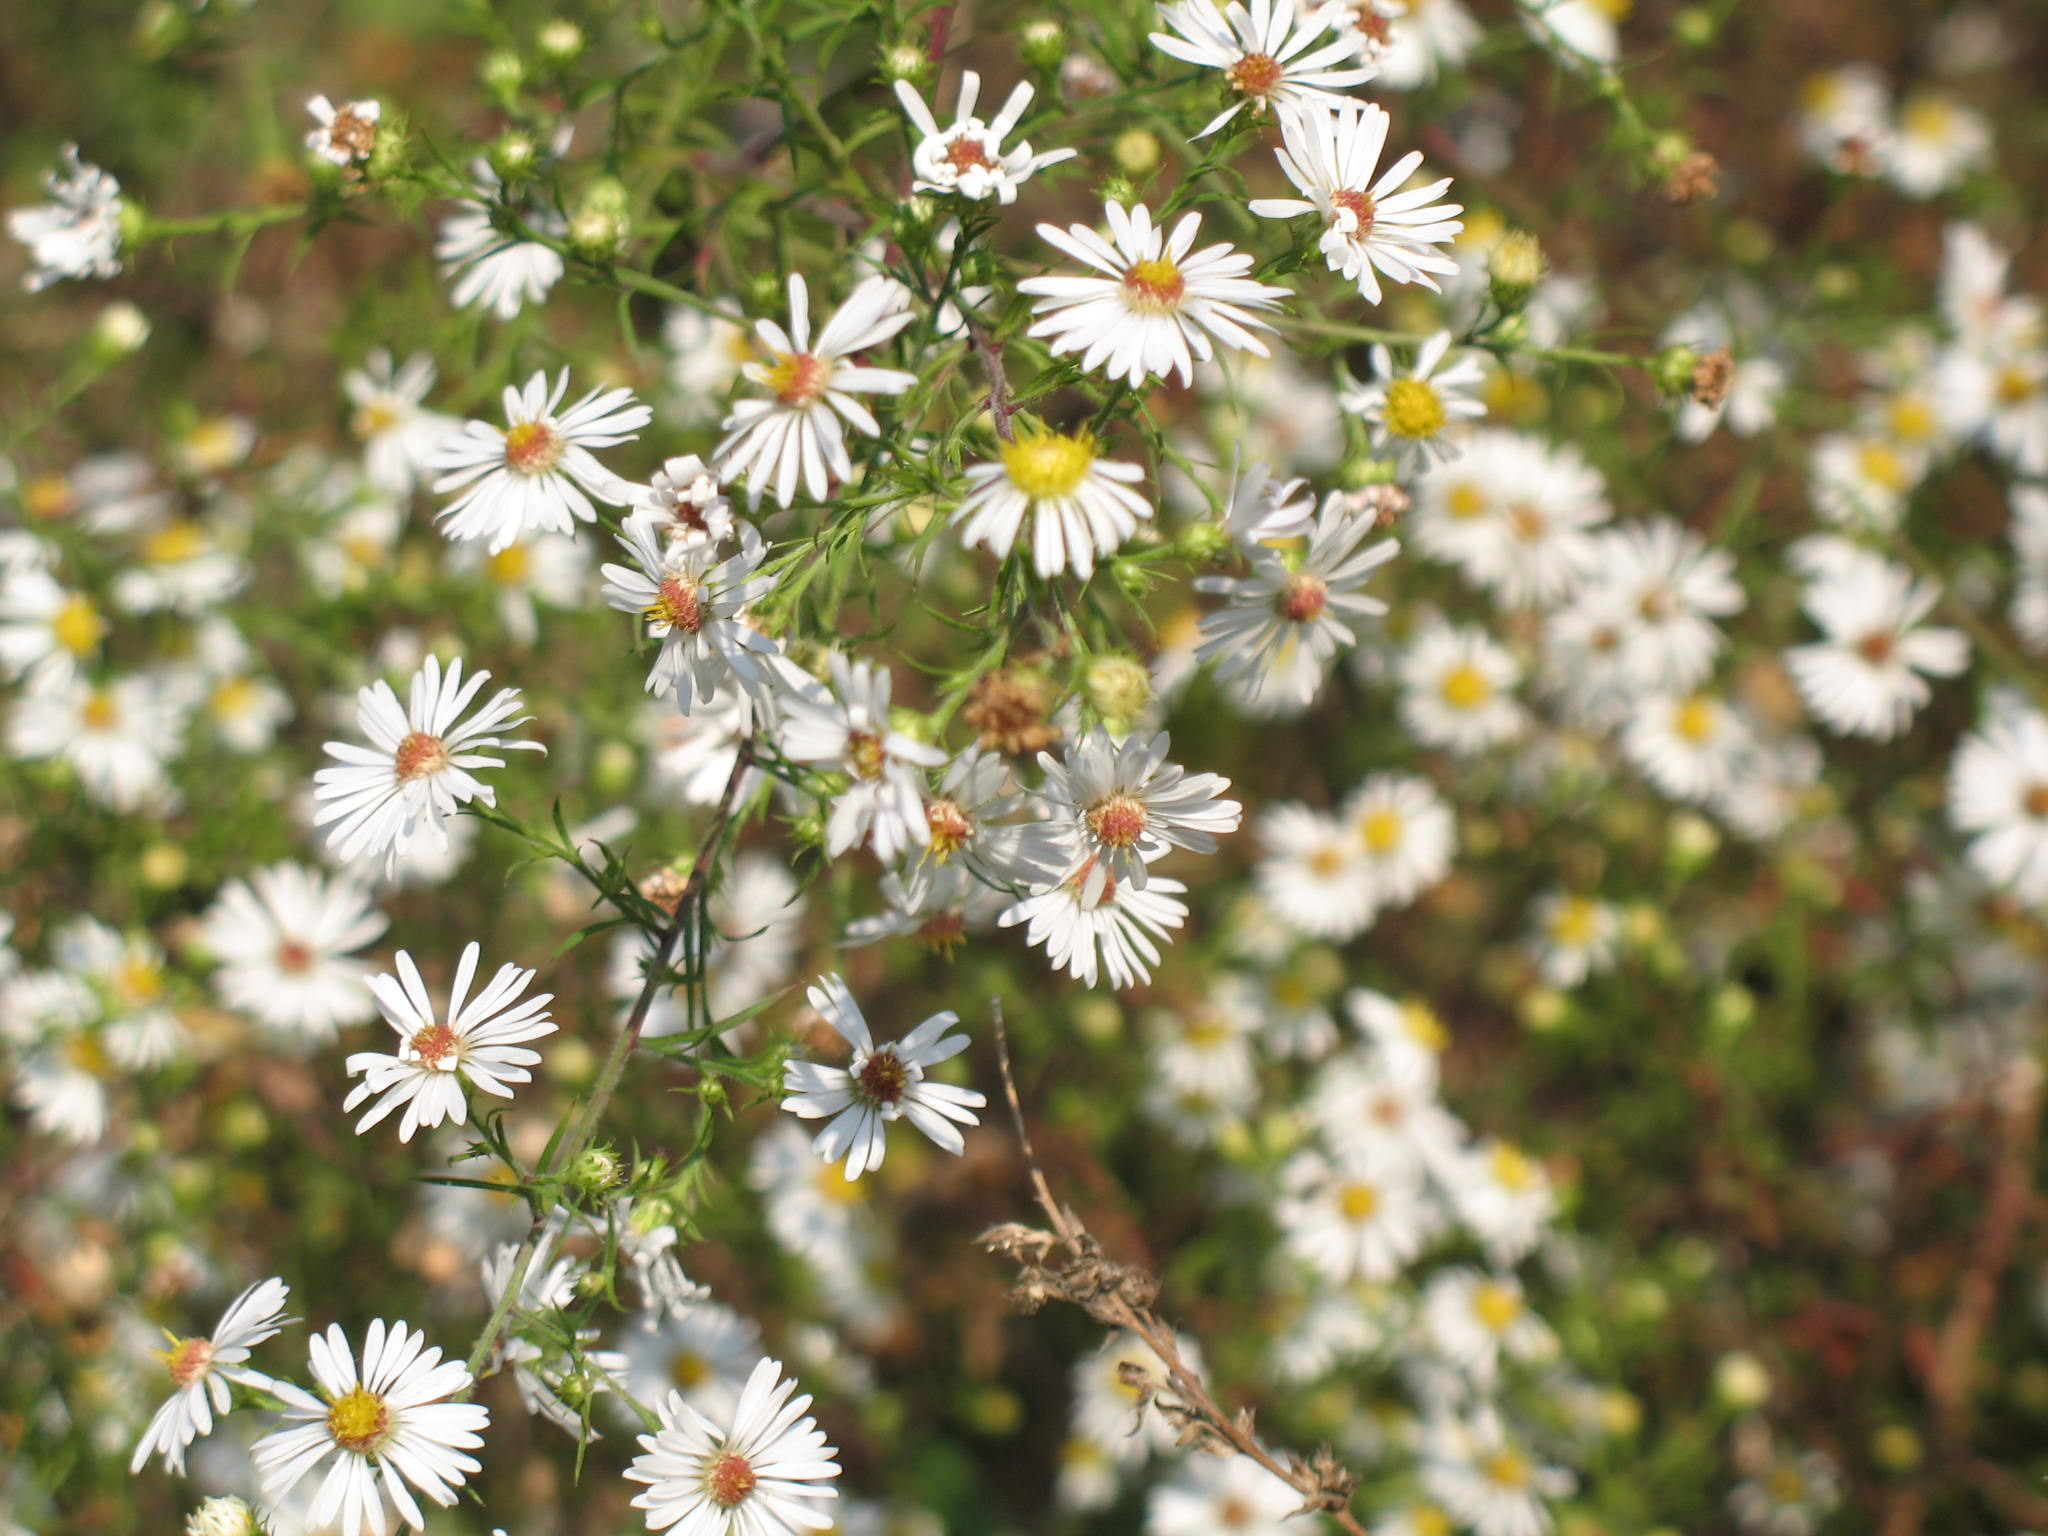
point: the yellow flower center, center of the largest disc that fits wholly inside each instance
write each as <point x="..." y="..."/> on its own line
<point x="1928" y="117"/>
<point x="510" y="565"/>
<point x="78" y="625"/>
<point x="1358" y="1201"/>
<point x="174" y="542"/>
<point x="232" y="698"/>
<point x="1512" y="1168"/>
<point x="1877" y="463"/>
<point x="84" y="1051"/>
<point x="374" y="419"/>
<point x="1527" y="522"/>
<point x="1048" y="465"/>
<point x="1574" y="923"/>
<point x="533" y="448"/>
<point x="1414" y="409"/>
<point x="1614" y="10"/>
<point x="46" y="496"/>
<point x="687" y="1369"/>
<point x="1423" y="1026"/>
<point x="1696" y="720"/>
<point x="1506" y="1469"/>
<point x="1785" y="1485"/>
<point x="138" y="981"/>
<point x="1496" y="1305"/>
<point x="798" y="378"/>
<point x="1154" y="285"/>
<point x="359" y="1420"/>
<point x="1465" y="687"/>
<point x="1325" y="861"/>
<point x="2014" y="385"/>
<point x="1382" y="829"/>
<point x="1465" y="500"/>
<point x="836" y="1187"/>
<point x="1428" y="1520"/>
<point x="950" y="828"/>
<point x="1911" y="419"/>
<point x="100" y="713"/>
<point x="420" y="756"/>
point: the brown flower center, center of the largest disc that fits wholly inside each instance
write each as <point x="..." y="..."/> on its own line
<point x="949" y="828"/>
<point x="294" y="957"/>
<point x="968" y="153"/>
<point x="532" y="448"/>
<point x="420" y="756"/>
<point x="1876" y="647"/>
<point x="1256" y="74"/>
<point x="1117" y="821"/>
<point x="352" y="135"/>
<point x="677" y="605"/>
<point x="1359" y="205"/>
<point x="730" y="1479"/>
<point x="2036" y="800"/>
<point x="864" y="754"/>
<point x="1306" y="598"/>
<point x="883" y="1077"/>
<point x="798" y="378"/>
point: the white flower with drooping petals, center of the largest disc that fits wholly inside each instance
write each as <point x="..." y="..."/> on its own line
<point x="1117" y="806"/>
<point x="693" y="604"/>
<point x="1272" y="52"/>
<point x="1868" y="677"/>
<point x="344" y="135"/>
<point x="202" y="1368"/>
<point x="759" y="1475"/>
<point x="376" y="1430"/>
<point x="479" y="1038"/>
<point x="286" y="939"/>
<point x="399" y="435"/>
<point x="1371" y="226"/>
<point x="1079" y="504"/>
<point x="488" y="267"/>
<point x="684" y="502"/>
<point x="531" y="475"/>
<point x="849" y="731"/>
<point x="419" y="768"/>
<point x="78" y="232"/>
<point x="968" y="158"/>
<point x="1411" y="412"/>
<point x="1154" y="309"/>
<point x="880" y="1085"/>
<point x="1112" y="931"/>
<point x="798" y="436"/>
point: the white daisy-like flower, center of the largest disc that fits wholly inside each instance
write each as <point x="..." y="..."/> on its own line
<point x="1691" y="746"/>
<point x="2028" y="531"/>
<point x="286" y="939"/>
<point x="1998" y="795"/>
<point x="705" y="1351"/>
<point x="1937" y="142"/>
<point x="1272" y="52"/>
<point x="419" y="768"/>
<point x="78" y="232"/>
<point x="1411" y="412"/>
<point x="1457" y="689"/>
<point x="880" y="1085"/>
<point x="1514" y="513"/>
<point x="760" y="1474"/>
<point x="1223" y="1496"/>
<point x="479" y="1038"/>
<point x="1868" y="677"/>
<point x="1487" y="1479"/>
<point x="1154" y="309"/>
<point x="706" y="349"/>
<point x="1079" y="504"/>
<point x="968" y="158"/>
<point x="344" y="135"/>
<point x="1647" y="603"/>
<point x="798" y="435"/>
<point x="1351" y="1220"/>
<point x="1475" y="1320"/>
<point x="1371" y="227"/>
<point x="684" y="502"/>
<point x="549" y="568"/>
<point x="1429" y="35"/>
<point x="849" y="731"/>
<point x="1845" y="118"/>
<point x="1263" y="508"/>
<point x="376" y="1430"/>
<point x="489" y="267"/>
<point x="46" y="628"/>
<point x="1504" y="1198"/>
<point x="1117" y="806"/>
<point x="1112" y="931"/>
<point x="115" y="736"/>
<point x="969" y="832"/>
<point x="1313" y="874"/>
<point x="693" y="603"/>
<point x="1283" y="622"/>
<point x="531" y="475"/>
<point x="1573" y="937"/>
<point x="204" y="1366"/>
<point x="398" y="434"/>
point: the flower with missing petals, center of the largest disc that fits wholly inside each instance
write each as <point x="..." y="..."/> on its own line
<point x="343" y="135"/>
<point x="968" y="158"/>
<point x="531" y="475"/>
<point x="1153" y="308"/>
<point x="78" y="232"/>
<point x="201" y="1369"/>
<point x="479" y="1038"/>
<point x="882" y="1084"/>
<point x="760" y="1474"/>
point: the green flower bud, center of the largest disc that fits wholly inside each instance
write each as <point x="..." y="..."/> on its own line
<point x="502" y="72"/>
<point x="559" y="42"/>
<point x="602" y="221"/>
<point x="1896" y="1448"/>
<point x="1043" y="43"/>
<point x="1135" y="151"/>
<point x="1200" y="543"/>
<point x="1513" y="269"/>
<point x="903" y="61"/>
<point x="1117" y="688"/>
<point x="118" y="330"/>
<point x="512" y="157"/>
<point x="1118" y="189"/>
<point x="595" y="1170"/>
<point x="918" y="727"/>
<point x="809" y="829"/>
<point x="1741" y="1382"/>
<point x="764" y="292"/>
<point x="226" y="1516"/>
<point x="1672" y="370"/>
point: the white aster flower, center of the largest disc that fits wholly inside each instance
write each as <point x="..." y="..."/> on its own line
<point x="286" y="939"/>
<point x="693" y="603"/>
<point x="115" y="736"/>
<point x="46" y="628"/>
<point x="1223" y="1496"/>
<point x="1154" y="309"/>
<point x="1514" y="513"/>
<point x="344" y="135"/>
<point x="489" y="267"/>
<point x="848" y="730"/>
<point x="798" y="435"/>
<point x="1868" y="676"/>
<point x="376" y="1430"/>
<point x="1117" y="806"/>
<point x="1113" y="1413"/>
<point x="706" y="350"/>
<point x="1457" y="689"/>
<point x="2028" y="530"/>
<point x="419" y="768"/>
<point x="1859" y="479"/>
<point x="203" y="1367"/>
<point x="1410" y="413"/>
<point x="1647" y="605"/>
<point x="684" y="502"/>
<point x="968" y="158"/>
<point x="1573" y="937"/>
<point x="478" y="1038"/>
<point x="78" y="232"/>
<point x="531" y="475"/>
<point x="1080" y="505"/>
<point x="398" y="434"/>
<point x="1488" y="1480"/>
<point x="1475" y="1320"/>
<point x="1845" y="119"/>
<point x="1313" y="873"/>
<point x="181" y="567"/>
<point x="761" y="1474"/>
<point x="1937" y="142"/>
<point x="1429" y="35"/>
<point x="880" y="1085"/>
<point x="704" y="1351"/>
<point x="1998" y="795"/>
<point x="1272" y="52"/>
<point x="1284" y="622"/>
<point x="550" y="568"/>
<point x="1112" y="931"/>
<point x="1503" y="1197"/>
<point x="1405" y="832"/>
<point x="1371" y="227"/>
<point x="1352" y="1221"/>
<point x="1263" y="508"/>
<point x="1692" y="746"/>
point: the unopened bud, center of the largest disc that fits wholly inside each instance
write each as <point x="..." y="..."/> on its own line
<point x="502" y="72"/>
<point x="1135" y="151"/>
<point x="1043" y="43"/>
<point x="1117" y="688"/>
<point x="1200" y="543"/>
<point x="1672" y="369"/>
<point x="560" y="41"/>
<point x="1741" y="1382"/>
<point x="602" y="221"/>
<point x="903" y="61"/>
<point x="226" y="1516"/>
<point x="595" y="1170"/>
<point x="512" y="157"/>
<point x="1118" y="189"/>
<point x="118" y="330"/>
<point x="1513" y="269"/>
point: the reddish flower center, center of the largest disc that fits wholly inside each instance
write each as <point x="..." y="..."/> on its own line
<point x="1305" y="598"/>
<point x="434" y="1044"/>
<point x="729" y="1478"/>
<point x="1876" y="647"/>
<point x="420" y="756"/>
<point x="1118" y="821"/>
<point x="2037" y="800"/>
<point x="677" y="605"/>
<point x="798" y="378"/>
<point x="968" y="153"/>
<point x="883" y="1077"/>
<point x="1359" y="206"/>
<point x="532" y="448"/>
<point x="1155" y="284"/>
<point x="294" y="957"/>
<point x="188" y="1362"/>
<point x="1256" y="74"/>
